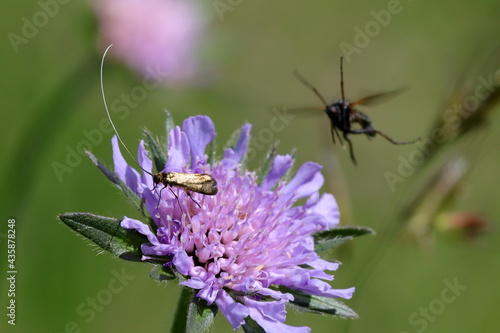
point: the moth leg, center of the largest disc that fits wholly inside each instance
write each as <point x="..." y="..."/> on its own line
<point x="189" y="195"/>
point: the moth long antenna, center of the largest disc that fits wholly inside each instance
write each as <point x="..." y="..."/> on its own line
<point x="342" y="78"/>
<point x="109" y="116"/>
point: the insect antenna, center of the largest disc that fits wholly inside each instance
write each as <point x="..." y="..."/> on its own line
<point x="342" y="78"/>
<point x="156" y="179"/>
<point x="310" y="86"/>
<point x="109" y="116"/>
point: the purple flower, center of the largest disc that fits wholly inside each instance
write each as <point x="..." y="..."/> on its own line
<point x="236" y="247"/>
<point x="158" y="38"/>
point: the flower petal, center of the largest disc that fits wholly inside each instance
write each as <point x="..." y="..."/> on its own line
<point x="146" y="163"/>
<point x="122" y="170"/>
<point x="234" y="312"/>
<point x="306" y="181"/>
<point x="324" y="265"/>
<point x="327" y="206"/>
<point x="178" y="151"/>
<point x="182" y="262"/>
<point x="200" y="131"/>
<point x="242" y="145"/>
<point x="140" y="227"/>
<point x="281" y="164"/>
<point x="271" y="315"/>
<point x="194" y="282"/>
<point x="234" y="156"/>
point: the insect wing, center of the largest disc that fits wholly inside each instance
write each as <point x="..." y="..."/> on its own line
<point x="376" y="98"/>
<point x="196" y="182"/>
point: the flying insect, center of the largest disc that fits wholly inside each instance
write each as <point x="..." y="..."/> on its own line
<point x="343" y="115"/>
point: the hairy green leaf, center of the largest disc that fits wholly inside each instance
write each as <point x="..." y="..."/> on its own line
<point x="107" y="233"/>
<point x="319" y="304"/>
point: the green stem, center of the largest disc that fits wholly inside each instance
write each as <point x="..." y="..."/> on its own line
<point x="181" y="314"/>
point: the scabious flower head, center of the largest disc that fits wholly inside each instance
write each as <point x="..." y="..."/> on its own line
<point x="159" y="38"/>
<point x="236" y="248"/>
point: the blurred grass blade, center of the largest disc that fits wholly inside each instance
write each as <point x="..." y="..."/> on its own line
<point x="475" y="95"/>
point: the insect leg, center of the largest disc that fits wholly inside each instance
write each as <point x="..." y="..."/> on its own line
<point x="176" y="197"/>
<point x="159" y="195"/>
<point x="396" y="142"/>
<point x="351" y="151"/>
<point x="368" y="131"/>
<point x="333" y="134"/>
<point x="189" y="195"/>
<point x="340" y="137"/>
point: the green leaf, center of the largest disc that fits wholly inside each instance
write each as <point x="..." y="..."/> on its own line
<point x="211" y="152"/>
<point x="109" y="174"/>
<point x="160" y="274"/>
<point x="266" y="164"/>
<point x="332" y="238"/>
<point x="169" y="124"/>
<point x="251" y="326"/>
<point x="233" y="140"/>
<point x="132" y="197"/>
<point x="107" y="233"/>
<point x="200" y="316"/>
<point x="323" y="245"/>
<point x="159" y="157"/>
<point x="352" y="231"/>
<point x="319" y="304"/>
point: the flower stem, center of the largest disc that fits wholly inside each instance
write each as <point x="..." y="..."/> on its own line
<point x="181" y="314"/>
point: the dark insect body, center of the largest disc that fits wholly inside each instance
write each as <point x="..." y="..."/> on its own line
<point x="196" y="182"/>
<point x="343" y="115"/>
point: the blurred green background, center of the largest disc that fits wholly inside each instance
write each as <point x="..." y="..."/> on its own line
<point x="50" y="90"/>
